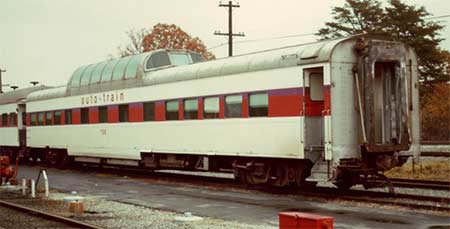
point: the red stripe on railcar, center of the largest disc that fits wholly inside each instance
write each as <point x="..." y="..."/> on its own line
<point x="285" y="105"/>
<point x="160" y="111"/>
<point x="76" y="116"/>
<point x="180" y="109"/>
<point x="93" y="115"/>
<point x="245" y="105"/>
<point x="63" y="117"/>
<point x="222" y="106"/>
<point x="113" y="113"/>
<point x="136" y="111"/>
<point x="200" y="108"/>
<point x="327" y="99"/>
<point x="28" y="119"/>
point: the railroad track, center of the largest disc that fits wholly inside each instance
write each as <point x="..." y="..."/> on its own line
<point x="424" y="184"/>
<point x="422" y="202"/>
<point x="48" y="216"/>
<point x="431" y="203"/>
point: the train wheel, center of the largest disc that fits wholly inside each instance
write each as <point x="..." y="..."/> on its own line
<point x="281" y="176"/>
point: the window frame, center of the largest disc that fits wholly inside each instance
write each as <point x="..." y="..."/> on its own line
<point x="68" y="117"/>
<point x="210" y="115"/>
<point x="84" y="115"/>
<point x="124" y="108"/>
<point x="190" y="114"/>
<point x="169" y="114"/>
<point x="145" y="110"/>
<point x="102" y="114"/>
<point x="57" y="121"/>
<point x="226" y="114"/>
<point x="255" y="111"/>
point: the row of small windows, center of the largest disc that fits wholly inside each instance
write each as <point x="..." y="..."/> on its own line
<point x="127" y="67"/>
<point x="258" y="107"/>
<point x="8" y="119"/>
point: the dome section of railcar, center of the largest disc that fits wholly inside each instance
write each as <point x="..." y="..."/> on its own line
<point x="127" y="71"/>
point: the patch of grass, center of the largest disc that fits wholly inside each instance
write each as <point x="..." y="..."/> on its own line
<point x="431" y="169"/>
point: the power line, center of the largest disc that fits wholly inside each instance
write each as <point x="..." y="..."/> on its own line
<point x="265" y="39"/>
<point x="436" y="17"/>
<point x="230" y="33"/>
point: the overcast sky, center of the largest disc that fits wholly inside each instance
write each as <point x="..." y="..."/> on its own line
<point x="46" y="40"/>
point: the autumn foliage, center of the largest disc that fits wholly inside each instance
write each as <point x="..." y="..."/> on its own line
<point x="435" y="112"/>
<point x="170" y="36"/>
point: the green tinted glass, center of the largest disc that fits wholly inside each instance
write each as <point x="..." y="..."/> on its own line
<point x="190" y="105"/>
<point x="107" y="72"/>
<point x="86" y="77"/>
<point x="259" y="100"/>
<point x="172" y="105"/>
<point x="97" y="74"/>
<point x="133" y="66"/>
<point x="77" y="75"/>
<point x="119" y="70"/>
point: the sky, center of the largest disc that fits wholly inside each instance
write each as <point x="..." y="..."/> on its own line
<point x="46" y="40"/>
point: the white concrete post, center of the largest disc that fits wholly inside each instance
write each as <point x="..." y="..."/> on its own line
<point x="33" y="188"/>
<point x="24" y="187"/>
<point x="44" y="173"/>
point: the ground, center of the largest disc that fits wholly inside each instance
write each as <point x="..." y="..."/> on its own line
<point x="428" y="168"/>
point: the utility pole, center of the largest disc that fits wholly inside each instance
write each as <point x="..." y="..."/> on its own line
<point x="1" y="85"/>
<point x="230" y="33"/>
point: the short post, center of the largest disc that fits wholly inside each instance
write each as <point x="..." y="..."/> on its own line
<point x="24" y="187"/>
<point x="44" y="173"/>
<point x="33" y="188"/>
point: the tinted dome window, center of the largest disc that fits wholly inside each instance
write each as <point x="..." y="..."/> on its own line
<point x="197" y="57"/>
<point x="158" y="60"/>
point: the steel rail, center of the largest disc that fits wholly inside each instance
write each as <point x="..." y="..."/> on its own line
<point x="424" y="184"/>
<point x="49" y="216"/>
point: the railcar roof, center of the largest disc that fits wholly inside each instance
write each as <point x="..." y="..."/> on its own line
<point x="137" y="71"/>
<point x="19" y="94"/>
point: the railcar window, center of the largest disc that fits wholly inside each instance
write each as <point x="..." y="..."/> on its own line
<point x="316" y="86"/>
<point x="107" y="72"/>
<point x="48" y="118"/>
<point x="40" y="120"/>
<point x="119" y="70"/>
<point x="4" y="119"/>
<point x="86" y="77"/>
<point x="233" y="106"/>
<point x="179" y="59"/>
<point x="13" y="119"/>
<point x="57" y="117"/>
<point x="103" y="114"/>
<point x="191" y="109"/>
<point x="172" y="110"/>
<point x="33" y="118"/>
<point x="133" y="66"/>
<point x="149" y="111"/>
<point x="158" y="60"/>
<point x="68" y="116"/>
<point x="76" y="76"/>
<point x="197" y="58"/>
<point x="123" y="113"/>
<point x="97" y="73"/>
<point x="84" y="115"/>
<point x="258" y="104"/>
<point x="211" y="107"/>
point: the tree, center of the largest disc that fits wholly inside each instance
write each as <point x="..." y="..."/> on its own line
<point x="171" y="36"/>
<point x="135" y="47"/>
<point x="435" y="112"/>
<point x="163" y="36"/>
<point x="400" y="22"/>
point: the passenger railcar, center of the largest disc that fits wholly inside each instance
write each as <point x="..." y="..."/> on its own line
<point x="338" y="110"/>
